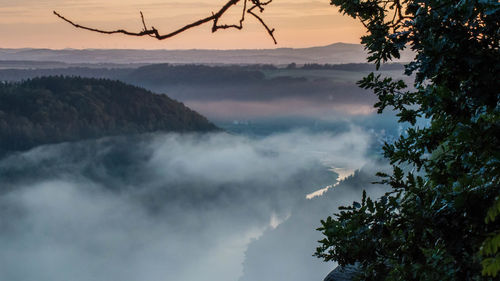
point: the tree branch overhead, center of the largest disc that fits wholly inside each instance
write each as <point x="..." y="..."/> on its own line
<point x="251" y="7"/>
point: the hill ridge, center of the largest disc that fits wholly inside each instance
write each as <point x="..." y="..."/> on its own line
<point x="335" y="53"/>
<point x="60" y="108"/>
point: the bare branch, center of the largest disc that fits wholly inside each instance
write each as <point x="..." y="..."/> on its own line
<point x="215" y="17"/>
<point x="144" y="23"/>
<point x="270" y="31"/>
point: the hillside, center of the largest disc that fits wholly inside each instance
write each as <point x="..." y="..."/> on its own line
<point x="57" y="109"/>
<point x="334" y="54"/>
<point x="243" y="92"/>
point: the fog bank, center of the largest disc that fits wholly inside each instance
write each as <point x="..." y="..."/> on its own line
<point x="159" y="206"/>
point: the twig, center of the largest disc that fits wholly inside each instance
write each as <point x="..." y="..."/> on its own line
<point x="270" y="31"/>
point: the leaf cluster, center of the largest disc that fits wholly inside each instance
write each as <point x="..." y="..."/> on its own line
<point x="439" y="220"/>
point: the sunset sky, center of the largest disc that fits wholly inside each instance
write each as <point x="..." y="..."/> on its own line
<point x="298" y="23"/>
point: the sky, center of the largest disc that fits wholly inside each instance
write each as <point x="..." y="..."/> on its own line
<point x="298" y="23"/>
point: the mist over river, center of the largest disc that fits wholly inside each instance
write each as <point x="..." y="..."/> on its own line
<point x="162" y="206"/>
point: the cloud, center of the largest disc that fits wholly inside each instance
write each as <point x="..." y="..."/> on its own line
<point x="289" y="247"/>
<point x="231" y="110"/>
<point x="157" y="207"/>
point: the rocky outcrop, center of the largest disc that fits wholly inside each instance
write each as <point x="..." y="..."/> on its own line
<point x="340" y="273"/>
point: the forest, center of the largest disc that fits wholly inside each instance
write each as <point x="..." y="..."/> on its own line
<point x="58" y="109"/>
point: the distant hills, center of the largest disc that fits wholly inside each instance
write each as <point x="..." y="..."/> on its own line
<point x="337" y="53"/>
<point x="238" y="92"/>
<point x="58" y="109"/>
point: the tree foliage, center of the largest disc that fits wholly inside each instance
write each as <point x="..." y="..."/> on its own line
<point x="440" y="219"/>
<point x="57" y="109"/>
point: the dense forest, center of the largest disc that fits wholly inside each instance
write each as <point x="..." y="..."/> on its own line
<point x="57" y="109"/>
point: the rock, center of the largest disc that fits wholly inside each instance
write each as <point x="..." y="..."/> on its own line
<point x="340" y="273"/>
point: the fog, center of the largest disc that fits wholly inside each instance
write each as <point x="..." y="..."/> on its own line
<point x="226" y="93"/>
<point x="173" y="207"/>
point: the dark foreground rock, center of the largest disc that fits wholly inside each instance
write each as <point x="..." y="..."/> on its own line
<point x="342" y="273"/>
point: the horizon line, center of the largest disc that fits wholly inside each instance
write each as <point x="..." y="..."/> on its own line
<point x="192" y="49"/>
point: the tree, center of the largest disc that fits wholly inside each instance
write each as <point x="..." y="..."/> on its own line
<point x="440" y="219"/>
